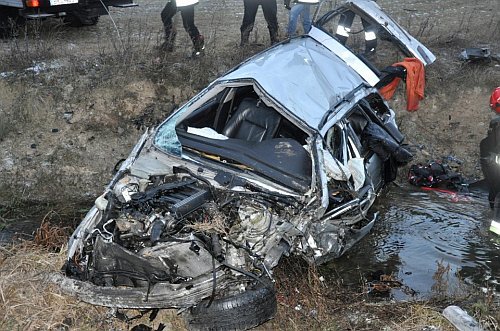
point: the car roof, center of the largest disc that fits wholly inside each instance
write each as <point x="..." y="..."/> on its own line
<point x="302" y="75"/>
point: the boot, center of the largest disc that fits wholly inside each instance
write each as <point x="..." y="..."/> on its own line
<point x="274" y="37"/>
<point x="169" y="43"/>
<point x="198" y="45"/>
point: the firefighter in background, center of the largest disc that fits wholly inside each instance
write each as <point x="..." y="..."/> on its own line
<point x="490" y="151"/>
<point x="344" y="29"/>
<point x="186" y="7"/>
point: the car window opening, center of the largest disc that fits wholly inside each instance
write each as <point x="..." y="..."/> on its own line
<point x="236" y="128"/>
<point x="239" y="113"/>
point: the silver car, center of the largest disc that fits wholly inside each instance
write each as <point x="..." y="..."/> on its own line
<point x="285" y="154"/>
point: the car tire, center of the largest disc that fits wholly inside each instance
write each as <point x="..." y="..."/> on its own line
<point x="241" y="311"/>
<point x="9" y="21"/>
<point x="78" y="19"/>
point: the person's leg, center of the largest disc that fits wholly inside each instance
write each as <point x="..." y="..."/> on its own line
<point x="270" y="9"/>
<point x="344" y="27"/>
<point x="250" y="10"/>
<point x="166" y="16"/>
<point x="306" y="18"/>
<point x="187" y="13"/>
<point x="370" y="37"/>
<point x="486" y="152"/>
<point x="292" y="20"/>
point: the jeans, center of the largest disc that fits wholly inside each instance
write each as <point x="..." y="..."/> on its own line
<point x="299" y="10"/>
<point x="269" y="8"/>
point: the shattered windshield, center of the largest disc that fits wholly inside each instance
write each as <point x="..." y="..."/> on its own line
<point x="166" y="137"/>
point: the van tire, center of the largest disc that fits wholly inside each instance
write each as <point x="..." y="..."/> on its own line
<point x="241" y="311"/>
<point x="80" y="18"/>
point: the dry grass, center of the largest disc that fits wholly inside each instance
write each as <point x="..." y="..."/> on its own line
<point x="301" y="297"/>
<point x="28" y="301"/>
<point x="50" y="237"/>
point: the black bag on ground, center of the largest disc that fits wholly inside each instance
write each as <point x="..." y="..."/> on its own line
<point x="435" y="174"/>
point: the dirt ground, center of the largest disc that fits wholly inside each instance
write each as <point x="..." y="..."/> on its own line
<point x="73" y="102"/>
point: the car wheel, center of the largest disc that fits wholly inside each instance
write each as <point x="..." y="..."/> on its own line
<point x="241" y="311"/>
<point x="9" y="21"/>
<point x="78" y="19"/>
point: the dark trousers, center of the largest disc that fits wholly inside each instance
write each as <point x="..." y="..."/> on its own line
<point x="346" y="20"/>
<point x="187" y="20"/>
<point x="269" y="8"/>
<point x="489" y="147"/>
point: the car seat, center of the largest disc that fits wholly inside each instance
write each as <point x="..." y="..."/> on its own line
<point x="252" y="121"/>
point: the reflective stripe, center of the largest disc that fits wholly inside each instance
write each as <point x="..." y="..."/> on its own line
<point x="183" y="3"/>
<point x="311" y="2"/>
<point x="343" y="31"/>
<point x="370" y="35"/>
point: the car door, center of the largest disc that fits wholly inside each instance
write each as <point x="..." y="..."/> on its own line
<point x="346" y="159"/>
<point x="371" y="14"/>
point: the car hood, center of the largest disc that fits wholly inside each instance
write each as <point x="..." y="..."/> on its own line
<point x="304" y="76"/>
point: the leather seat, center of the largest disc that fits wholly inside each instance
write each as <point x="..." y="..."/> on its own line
<point x="252" y="121"/>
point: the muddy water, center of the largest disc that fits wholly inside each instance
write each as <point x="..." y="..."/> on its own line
<point x="433" y="243"/>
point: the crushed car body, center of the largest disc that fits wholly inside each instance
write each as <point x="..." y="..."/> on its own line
<point x="283" y="155"/>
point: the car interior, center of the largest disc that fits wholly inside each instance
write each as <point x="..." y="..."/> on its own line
<point x="239" y="113"/>
<point x="236" y="127"/>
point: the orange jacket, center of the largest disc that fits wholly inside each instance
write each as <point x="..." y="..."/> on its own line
<point x="415" y="83"/>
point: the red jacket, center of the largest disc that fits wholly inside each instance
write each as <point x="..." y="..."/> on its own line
<point x="415" y="83"/>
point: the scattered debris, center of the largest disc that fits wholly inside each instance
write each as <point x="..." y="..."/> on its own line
<point x="495" y="227"/>
<point x="382" y="284"/>
<point x="475" y="54"/>
<point x="460" y="319"/>
<point x="436" y="174"/>
<point x="478" y="54"/>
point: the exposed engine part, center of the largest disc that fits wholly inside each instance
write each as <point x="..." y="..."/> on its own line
<point x="125" y="188"/>
<point x="116" y="266"/>
<point x="235" y="256"/>
<point x="196" y="198"/>
<point x="101" y="202"/>
<point x="180" y="198"/>
<point x="255" y="221"/>
<point x="129" y="226"/>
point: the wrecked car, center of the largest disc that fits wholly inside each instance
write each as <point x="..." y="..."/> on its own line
<point x="285" y="154"/>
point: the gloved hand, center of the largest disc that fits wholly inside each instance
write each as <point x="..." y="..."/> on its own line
<point x="287" y="4"/>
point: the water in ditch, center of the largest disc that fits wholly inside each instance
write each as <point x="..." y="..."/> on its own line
<point x="430" y="242"/>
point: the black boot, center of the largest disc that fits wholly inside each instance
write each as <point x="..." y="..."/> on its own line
<point x="169" y="43"/>
<point x="274" y="37"/>
<point x="198" y="45"/>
